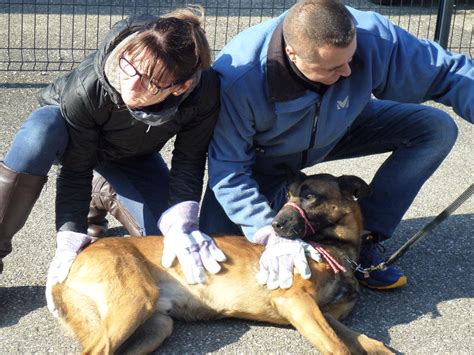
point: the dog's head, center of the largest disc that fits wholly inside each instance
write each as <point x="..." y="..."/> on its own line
<point x="321" y="206"/>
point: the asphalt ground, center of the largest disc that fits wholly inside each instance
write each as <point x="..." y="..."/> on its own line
<point x="431" y="315"/>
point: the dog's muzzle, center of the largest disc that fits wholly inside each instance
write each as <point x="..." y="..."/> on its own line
<point x="287" y="226"/>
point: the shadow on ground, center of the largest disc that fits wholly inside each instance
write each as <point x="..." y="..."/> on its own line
<point x="16" y="302"/>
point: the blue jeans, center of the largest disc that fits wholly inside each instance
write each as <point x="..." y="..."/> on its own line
<point x="141" y="183"/>
<point x="419" y="137"/>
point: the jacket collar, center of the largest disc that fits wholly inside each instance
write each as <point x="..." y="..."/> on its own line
<point x="285" y="81"/>
<point x="281" y="84"/>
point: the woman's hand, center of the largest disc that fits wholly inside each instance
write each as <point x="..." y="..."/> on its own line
<point x="69" y="244"/>
<point x="194" y="250"/>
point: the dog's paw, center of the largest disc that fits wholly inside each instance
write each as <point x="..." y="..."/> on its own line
<point x="374" y="347"/>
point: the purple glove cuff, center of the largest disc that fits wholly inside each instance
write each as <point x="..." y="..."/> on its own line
<point x="67" y="241"/>
<point x="183" y="215"/>
<point x="263" y="235"/>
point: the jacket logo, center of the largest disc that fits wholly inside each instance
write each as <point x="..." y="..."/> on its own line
<point x="343" y="103"/>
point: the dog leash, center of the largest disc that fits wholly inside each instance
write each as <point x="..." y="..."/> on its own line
<point x="402" y="250"/>
<point x="431" y="225"/>
<point x="420" y="234"/>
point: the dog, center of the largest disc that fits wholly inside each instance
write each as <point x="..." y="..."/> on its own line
<point x="118" y="297"/>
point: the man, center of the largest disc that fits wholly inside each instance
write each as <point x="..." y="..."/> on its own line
<point x="299" y="90"/>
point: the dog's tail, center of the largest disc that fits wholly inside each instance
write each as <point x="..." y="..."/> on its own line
<point x="77" y="311"/>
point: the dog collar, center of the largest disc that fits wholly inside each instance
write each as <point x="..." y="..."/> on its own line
<point x="335" y="266"/>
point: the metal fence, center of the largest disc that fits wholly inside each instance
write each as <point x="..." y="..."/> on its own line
<point x="49" y="35"/>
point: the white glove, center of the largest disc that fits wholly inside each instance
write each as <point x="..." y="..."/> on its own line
<point x="68" y="246"/>
<point x="279" y="258"/>
<point x="195" y="250"/>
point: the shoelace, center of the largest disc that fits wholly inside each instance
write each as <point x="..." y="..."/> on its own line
<point x="371" y="243"/>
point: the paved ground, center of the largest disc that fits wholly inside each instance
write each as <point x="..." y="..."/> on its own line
<point x="432" y="315"/>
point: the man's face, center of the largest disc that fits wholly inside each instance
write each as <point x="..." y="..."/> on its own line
<point x="327" y="64"/>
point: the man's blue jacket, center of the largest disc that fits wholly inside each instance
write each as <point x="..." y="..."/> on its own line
<point x="256" y="131"/>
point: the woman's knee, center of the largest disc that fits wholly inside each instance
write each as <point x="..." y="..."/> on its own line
<point x="46" y="126"/>
<point x="40" y="141"/>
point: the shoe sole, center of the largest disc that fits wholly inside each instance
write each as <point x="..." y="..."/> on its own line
<point x="400" y="282"/>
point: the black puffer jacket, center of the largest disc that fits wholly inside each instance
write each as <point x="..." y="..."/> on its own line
<point x="101" y="127"/>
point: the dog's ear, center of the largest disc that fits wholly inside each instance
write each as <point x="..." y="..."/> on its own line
<point x="354" y="185"/>
<point x="291" y="175"/>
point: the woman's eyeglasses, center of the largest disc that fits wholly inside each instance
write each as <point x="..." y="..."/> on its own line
<point x="145" y="81"/>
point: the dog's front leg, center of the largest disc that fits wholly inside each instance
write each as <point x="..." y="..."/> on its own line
<point x="357" y="343"/>
<point x="302" y="311"/>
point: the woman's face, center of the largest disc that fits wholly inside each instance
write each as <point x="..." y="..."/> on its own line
<point x="137" y="88"/>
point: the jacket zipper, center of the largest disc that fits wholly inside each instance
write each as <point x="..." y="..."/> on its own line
<point x="304" y="158"/>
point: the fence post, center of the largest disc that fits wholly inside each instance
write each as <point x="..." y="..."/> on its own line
<point x="443" y="23"/>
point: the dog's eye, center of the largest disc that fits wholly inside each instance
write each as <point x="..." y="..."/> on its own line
<point x="310" y="196"/>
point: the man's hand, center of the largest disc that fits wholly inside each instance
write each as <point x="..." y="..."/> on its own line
<point x="68" y="246"/>
<point x="279" y="258"/>
<point x="195" y="250"/>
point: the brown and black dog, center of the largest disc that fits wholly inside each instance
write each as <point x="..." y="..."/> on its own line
<point x="118" y="297"/>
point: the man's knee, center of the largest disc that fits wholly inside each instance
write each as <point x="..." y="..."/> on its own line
<point x="440" y="129"/>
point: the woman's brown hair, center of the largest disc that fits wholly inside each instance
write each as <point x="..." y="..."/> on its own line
<point x="173" y="47"/>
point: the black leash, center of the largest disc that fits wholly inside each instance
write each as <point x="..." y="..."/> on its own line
<point x="431" y="225"/>
<point x="423" y="232"/>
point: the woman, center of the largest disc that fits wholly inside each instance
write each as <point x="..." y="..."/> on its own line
<point x="150" y="80"/>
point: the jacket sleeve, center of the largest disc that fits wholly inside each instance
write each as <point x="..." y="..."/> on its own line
<point x="76" y="165"/>
<point x="231" y="157"/>
<point x="190" y="148"/>
<point x="417" y="70"/>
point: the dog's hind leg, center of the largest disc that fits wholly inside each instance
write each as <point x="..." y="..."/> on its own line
<point x="77" y="311"/>
<point x="302" y="311"/>
<point x="126" y="312"/>
<point x="125" y="293"/>
<point x="149" y="336"/>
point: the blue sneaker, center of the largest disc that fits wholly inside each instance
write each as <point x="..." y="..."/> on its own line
<point x="387" y="278"/>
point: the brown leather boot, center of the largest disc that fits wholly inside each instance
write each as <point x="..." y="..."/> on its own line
<point x="98" y="224"/>
<point x="105" y="200"/>
<point x="18" y="194"/>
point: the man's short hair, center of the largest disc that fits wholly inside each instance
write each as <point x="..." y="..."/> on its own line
<point x="310" y="24"/>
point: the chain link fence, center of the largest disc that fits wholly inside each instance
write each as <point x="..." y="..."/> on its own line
<point x="51" y="35"/>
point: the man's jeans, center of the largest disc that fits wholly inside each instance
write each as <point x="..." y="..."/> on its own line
<point x="141" y="183"/>
<point x="419" y="137"/>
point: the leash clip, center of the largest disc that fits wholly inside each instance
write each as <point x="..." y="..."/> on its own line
<point x="364" y="270"/>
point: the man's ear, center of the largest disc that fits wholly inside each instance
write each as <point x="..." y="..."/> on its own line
<point x="290" y="52"/>
<point x="354" y="185"/>
<point x="181" y="88"/>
